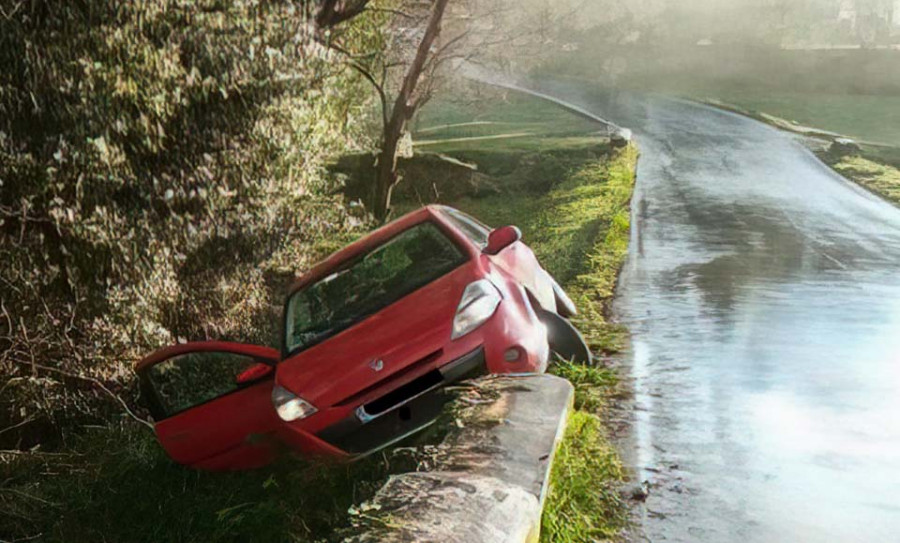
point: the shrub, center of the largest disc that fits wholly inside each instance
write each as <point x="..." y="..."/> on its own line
<point x="162" y="170"/>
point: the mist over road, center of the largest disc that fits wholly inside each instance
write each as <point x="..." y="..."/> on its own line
<point x="763" y="294"/>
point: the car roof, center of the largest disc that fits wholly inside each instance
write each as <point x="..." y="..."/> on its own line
<point x="374" y="239"/>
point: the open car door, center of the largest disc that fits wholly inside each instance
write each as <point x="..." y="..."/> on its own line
<point x="211" y="403"/>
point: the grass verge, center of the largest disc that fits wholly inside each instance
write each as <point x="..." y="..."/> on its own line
<point x="579" y="231"/>
<point x="871" y="170"/>
<point x="862" y="117"/>
<point x="576" y="219"/>
<point x="582" y="505"/>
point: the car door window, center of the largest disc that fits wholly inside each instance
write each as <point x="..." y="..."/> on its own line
<point x="191" y="379"/>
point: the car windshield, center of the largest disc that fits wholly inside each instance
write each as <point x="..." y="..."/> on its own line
<point x="368" y="283"/>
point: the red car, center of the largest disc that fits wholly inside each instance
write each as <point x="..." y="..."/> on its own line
<point x="371" y="336"/>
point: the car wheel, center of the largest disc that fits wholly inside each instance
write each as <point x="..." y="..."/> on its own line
<point x="565" y="340"/>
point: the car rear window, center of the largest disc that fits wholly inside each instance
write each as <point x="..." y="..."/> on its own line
<point x="367" y="284"/>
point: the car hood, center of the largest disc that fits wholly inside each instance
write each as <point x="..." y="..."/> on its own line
<point x="394" y="341"/>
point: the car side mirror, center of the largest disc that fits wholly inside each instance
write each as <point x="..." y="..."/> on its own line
<point x="501" y="238"/>
<point x="253" y="373"/>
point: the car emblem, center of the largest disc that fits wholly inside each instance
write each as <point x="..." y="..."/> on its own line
<point x="377" y="364"/>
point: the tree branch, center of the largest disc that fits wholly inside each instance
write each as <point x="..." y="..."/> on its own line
<point x="451" y="42"/>
<point x="96" y="382"/>
<point x="401" y="105"/>
<point x="333" y="45"/>
<point x="14" y="426"/>
<point x="382" y="96"/>
<point x="334" y="12"/>
<point x="9" y="16"/>
<point x="392" y="12"/>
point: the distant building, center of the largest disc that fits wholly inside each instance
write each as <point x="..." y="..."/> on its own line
<point x="847" y="12"/>
<point x="871" y="21"/>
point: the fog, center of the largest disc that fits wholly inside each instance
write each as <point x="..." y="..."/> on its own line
<point x="832" y="46"/>
<point x="761" y="287"/>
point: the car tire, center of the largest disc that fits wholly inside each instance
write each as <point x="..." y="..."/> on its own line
<point x="565" y="340"/>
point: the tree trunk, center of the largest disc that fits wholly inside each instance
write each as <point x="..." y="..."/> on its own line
<point x="387" y="171"/>
<point x="404" y="108"/>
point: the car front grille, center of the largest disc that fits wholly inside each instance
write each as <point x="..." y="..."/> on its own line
<point x="412" y="370"/>
<point x="403" y="410"/>
<point x="399" y="395"/>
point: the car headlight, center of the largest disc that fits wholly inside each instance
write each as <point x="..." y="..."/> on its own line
<point x="478" y="303"/>
<point x="289" y="406"/>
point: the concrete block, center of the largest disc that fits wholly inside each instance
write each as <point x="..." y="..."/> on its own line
<point x="488" y="478"/>
<point x="450" y="507"/>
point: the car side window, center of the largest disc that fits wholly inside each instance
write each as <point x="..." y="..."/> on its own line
<point x="191" y="379"/>
<point x="471" y="228"/>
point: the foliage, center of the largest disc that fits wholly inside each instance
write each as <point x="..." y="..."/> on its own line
<point x="593" y="384"/>
<point x="162" y="170"/>
<point x="882" y="179"/>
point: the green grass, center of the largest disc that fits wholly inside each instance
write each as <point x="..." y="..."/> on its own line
<point x="593" y="384"/>
<point x="882" y="179"/>
<point x="497" y="112"/>
<point x="516" y="144"/>
<point x="583" y="506"/>
<point x="862" y="117"/>
<point x="584" y="503"/>
<point x="884" y="155"/>
<point x="500" y="121"/>
<point x="116" y="484"/>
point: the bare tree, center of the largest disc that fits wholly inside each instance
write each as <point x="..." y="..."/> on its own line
<point x="413" y="95"/>
<point x="416" y="45"/>
<point x="401" y="67"/>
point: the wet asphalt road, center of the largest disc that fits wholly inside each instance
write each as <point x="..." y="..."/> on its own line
<point x="763" y="294"/>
